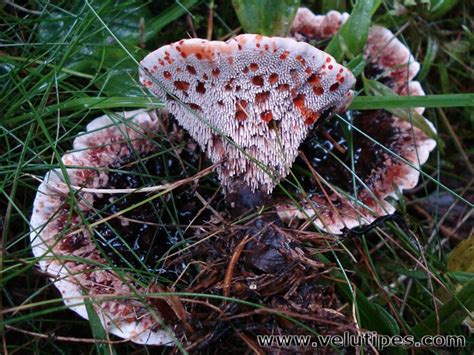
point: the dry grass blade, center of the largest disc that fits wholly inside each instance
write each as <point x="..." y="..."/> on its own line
<point x="232" y="263"/>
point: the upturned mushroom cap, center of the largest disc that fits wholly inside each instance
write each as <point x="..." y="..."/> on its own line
<point x="384" y="175"/>
<point x="249" y="102"/>
<point x="64" y="246"/>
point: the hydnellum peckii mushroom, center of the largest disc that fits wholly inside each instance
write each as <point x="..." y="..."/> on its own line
<point x="249" y="102"/>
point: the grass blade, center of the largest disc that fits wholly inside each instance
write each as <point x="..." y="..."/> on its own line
<point x="352" y="36"/>
<point x="393" y="102"/>
<point x="451" y="314"/>
<point x="410" y="115"/>
<point x="97" y="329"/>
<point x="266" y="17"/>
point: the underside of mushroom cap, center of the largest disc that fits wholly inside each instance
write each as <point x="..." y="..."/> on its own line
<point x="386" y="52"/>
<point x="308" y="26"/>
<point x="64" y="246"/>
<point x="249" y="102"/>
<point x="380" y="149"/>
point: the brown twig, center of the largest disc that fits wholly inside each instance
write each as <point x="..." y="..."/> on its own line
<point x="164" y="188"/>
<point x="62" y="338"/>
<point x="210" y="20"/>
<point x="189" y="20"/>
<point x="233" y="33"/>
<point x="230" y="268"/>
<point x="336" y="145"/>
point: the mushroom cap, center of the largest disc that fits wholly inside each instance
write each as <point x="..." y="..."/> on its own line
<point x="72" y="258"/>
<point x="385" y="175"/>
<point x="249" y="102"/>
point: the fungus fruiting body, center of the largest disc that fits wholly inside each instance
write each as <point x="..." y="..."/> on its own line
<point x="65" y="246"/>
<point x="386" y="151"/>
<point x="249" y="102"/>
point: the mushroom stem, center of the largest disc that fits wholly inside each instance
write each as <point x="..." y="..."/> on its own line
<point x="242" y="200"/>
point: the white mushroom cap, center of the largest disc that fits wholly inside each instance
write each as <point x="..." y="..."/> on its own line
<point x="249" y="101"/>
<point x="106" y="141"/>
<point x="385" y="52"/>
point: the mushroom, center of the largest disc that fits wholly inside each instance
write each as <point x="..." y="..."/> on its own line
<point x="382" y="174"/>
<point x="249" y="102"/>
<point x="64" y="245"/>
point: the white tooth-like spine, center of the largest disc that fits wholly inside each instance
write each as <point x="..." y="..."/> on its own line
<point x="255" y="74"/>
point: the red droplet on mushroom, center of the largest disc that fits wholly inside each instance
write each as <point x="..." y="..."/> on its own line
<point x="241" y="104"/>
<point x="311" y="117"/>
<point x="261" y="97"/>
<point x="253" y="67"/>
<point x="266" y="116"/>
<point x="181" y="85"/>
<point x="283" y="87"/>
<point x="191" y="69"/>
<point x="257" y="80"/>
<point x="264" y="86"/>
<point x="318" y="90"/>
<point x="284" y="55"/>
<point x="300" y="59"/>
<point x="200" y="88"/>
<point x="273" y="78"/>
<point x="240" y="113"/>
<point x="298" y="101"/>
<point x="314" y="79"/>
<point x="334" y="87"/>
<point x="195" y="106"/>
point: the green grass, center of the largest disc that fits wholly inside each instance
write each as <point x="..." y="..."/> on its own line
<point x="64" y="63"/>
